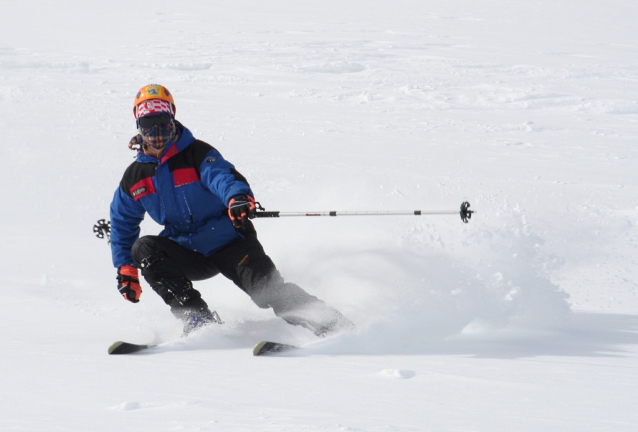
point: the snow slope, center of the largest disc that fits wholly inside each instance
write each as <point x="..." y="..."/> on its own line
<point x="525" y="319"/>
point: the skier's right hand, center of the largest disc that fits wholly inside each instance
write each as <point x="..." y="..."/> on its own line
<point x="128" y="283"/>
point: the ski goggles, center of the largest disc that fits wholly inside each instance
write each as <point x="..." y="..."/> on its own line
<point x="162" y="119"/>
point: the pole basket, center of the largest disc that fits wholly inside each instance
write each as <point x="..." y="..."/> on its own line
<point x="466" y="213"/>
<point x="102" y="229"/>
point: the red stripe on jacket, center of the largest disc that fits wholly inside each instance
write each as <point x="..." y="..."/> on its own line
<point x="185" y="176"/>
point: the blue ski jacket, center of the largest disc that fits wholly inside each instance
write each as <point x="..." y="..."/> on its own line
<point x="187" y="191"/>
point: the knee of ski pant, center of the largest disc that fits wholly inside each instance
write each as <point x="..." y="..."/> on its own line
<point x="258" y="279"/>
<point x="145" y="252"/>
<point x="251" y="272"/>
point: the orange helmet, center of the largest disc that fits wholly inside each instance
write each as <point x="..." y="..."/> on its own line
<point x="153" y="91"/>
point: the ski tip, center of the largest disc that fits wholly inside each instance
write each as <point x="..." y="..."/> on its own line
<point x="114" y="347"/>
<point x="258" y="348"/>
<point x="120" y="347"/>
<point x="266" y="347"/>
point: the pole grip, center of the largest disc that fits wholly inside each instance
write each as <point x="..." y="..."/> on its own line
<point x="267" y="214"/>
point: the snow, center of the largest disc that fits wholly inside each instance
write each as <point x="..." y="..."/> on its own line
<point x="524" y="319"/>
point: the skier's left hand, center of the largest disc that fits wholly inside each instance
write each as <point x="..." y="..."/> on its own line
<point x="240" y="208"/>
<point x="136" y="142"/>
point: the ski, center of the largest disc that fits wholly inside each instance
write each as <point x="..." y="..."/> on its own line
<point x="266" y="348"/>
<point x="262" y="348"/>
<point x="120" y="347"/>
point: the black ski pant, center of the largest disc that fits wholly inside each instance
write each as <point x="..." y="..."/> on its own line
<point x="169" y="269"/>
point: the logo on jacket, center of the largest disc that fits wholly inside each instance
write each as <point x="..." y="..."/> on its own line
<point x="210" y="159"/>
<point x="138" y="191"/>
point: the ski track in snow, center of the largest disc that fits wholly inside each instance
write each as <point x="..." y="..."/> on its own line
<point x="525" y="319"/>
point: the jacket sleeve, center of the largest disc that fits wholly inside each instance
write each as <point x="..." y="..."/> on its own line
<point x="221" y="177"/>
<point x="126" y="217"/>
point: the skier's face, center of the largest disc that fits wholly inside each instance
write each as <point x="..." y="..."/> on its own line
<point x="157" y="129"/>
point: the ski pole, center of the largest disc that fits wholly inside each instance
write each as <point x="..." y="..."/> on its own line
<point x="102" y="228"/>
<point x="465" y="213"/>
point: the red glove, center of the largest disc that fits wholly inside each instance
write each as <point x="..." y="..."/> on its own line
<point x="240" y="208"/>
<point x="128" y="283"/>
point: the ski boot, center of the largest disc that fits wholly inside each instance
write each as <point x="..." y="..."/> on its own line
<point x="337" y="324"/>
<point x="196" y="319"/>
<point x="325" y="322"/>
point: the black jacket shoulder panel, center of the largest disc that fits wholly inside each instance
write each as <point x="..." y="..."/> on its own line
<point x="191" y="157"/>
<point x="135" y="173"/>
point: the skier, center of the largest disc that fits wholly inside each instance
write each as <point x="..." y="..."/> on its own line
<point x="205" y="205"/>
